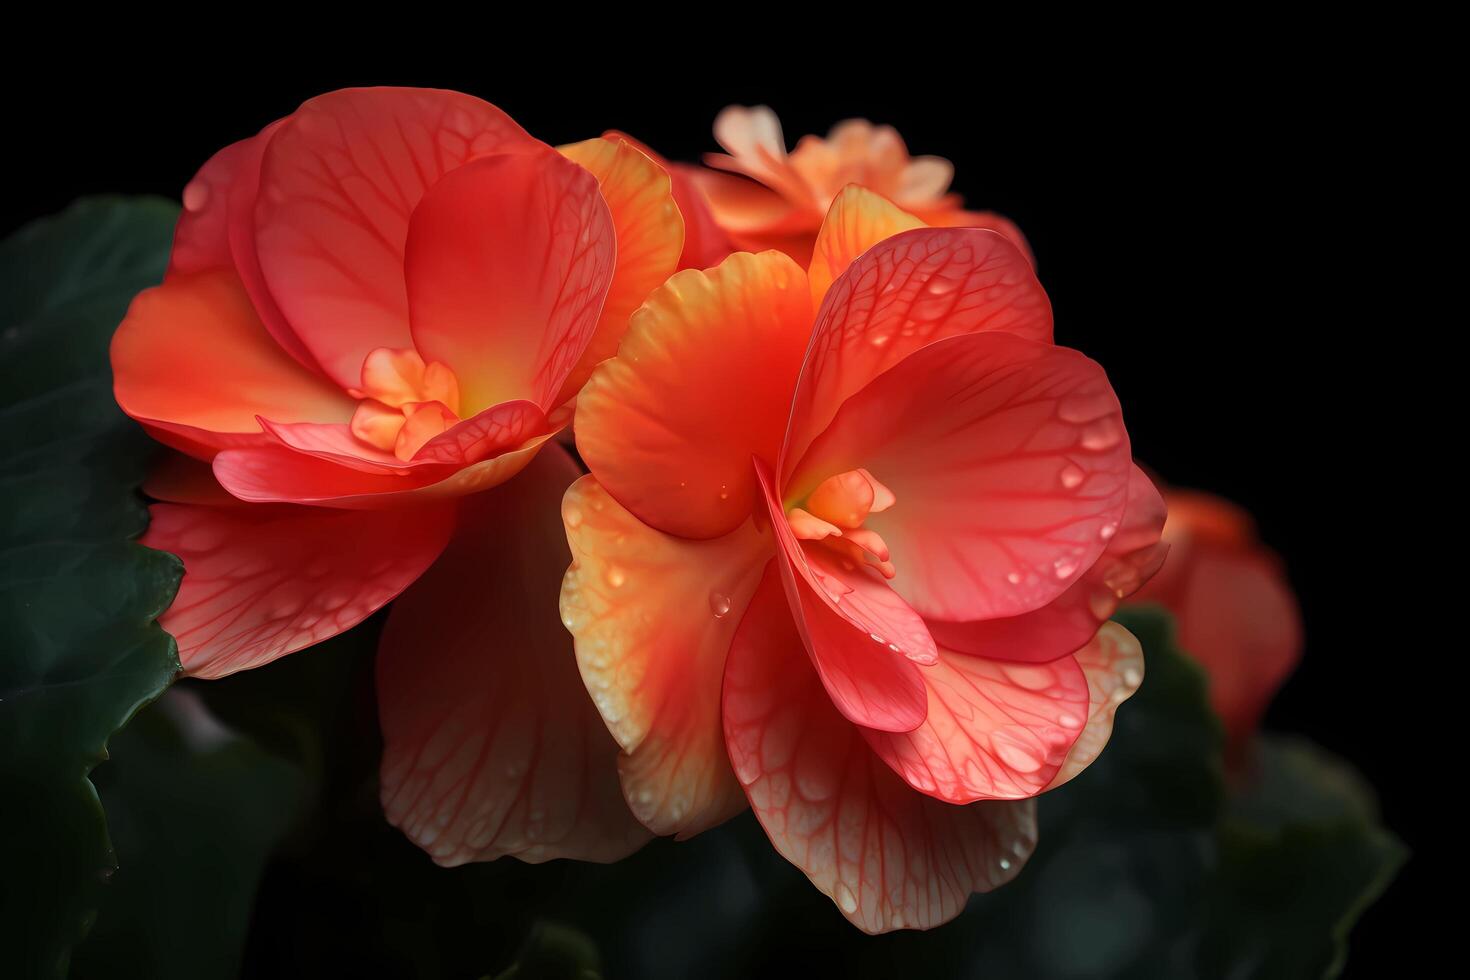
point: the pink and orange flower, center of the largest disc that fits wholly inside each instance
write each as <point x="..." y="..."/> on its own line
<point x="852" y="534"/>
<point x="377" y="313"/>
<point x="761" y="196"/>
<point x="847" y="552"/>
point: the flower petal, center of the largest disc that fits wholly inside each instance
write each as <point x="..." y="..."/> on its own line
<point x="490" y="743"/>
<point x="905" y="292"/>
<point x="191" y="357"/>
<point x="868" y="673"/>
<point x="338" y="183"/>
<point x="858" y="220"/>
<point x="1070" y="621"/>
<point x="705" y="243"/>
<point x="262" y="582"/>
<point x="509" y="300"/>
<point x="889" y="857"/>
<point x="650" y="237"/>
<point x="652" y="616"/>
<point x="993" y="730"/>
<point x="1010" y="465"/>
<point x="702" y="382"/>
<point x="1113" y="665"/>
<point x="202" y="237"/>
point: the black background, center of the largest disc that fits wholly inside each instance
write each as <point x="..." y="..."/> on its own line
<point x="1209" y="237"/>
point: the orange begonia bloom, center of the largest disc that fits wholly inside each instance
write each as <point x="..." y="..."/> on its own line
<point x="761" y="196"/>
<point x="376" y="308"/>
<point x="1235" y="610"/>
<point x="847" y="553"/>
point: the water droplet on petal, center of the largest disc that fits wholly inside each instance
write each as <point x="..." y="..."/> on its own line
<point x="1005" y="864"/>
<point x="1105" y="433"/>
<point x="1064" y="567"/>
<point x="1072" y="476"/>
<point x="572" y="516"/>
<point x="1014" y="578"/>
<point x="615" y="576"/>
<point x="846" y="899"/>
<point x="1107" y="531"/>
<point x="719" y="604"/>
<point x="196" y="195"/>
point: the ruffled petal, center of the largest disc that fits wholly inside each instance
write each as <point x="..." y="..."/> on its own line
<point x="890" y="858"/>
<point x="908" y="291"/>
<point x="702" y="382"/>
<point x="1067" y="623"/>
<point x="192" y="358"/>
<point x="858" y="220"/>
<point x="640" y="197"/>
<point x="870" y="675"/>
<point x="1113" y="665"/>
<point x="1009" y="462"/>
<point x="338" y="183"/>
<point x="262" y="582"/>
<point x="490" y="743"/>
<point x="705" y="243"/>
<point x="510" y="300"/>
<point x="993" y="730"/>
<point x="652" y="616"/>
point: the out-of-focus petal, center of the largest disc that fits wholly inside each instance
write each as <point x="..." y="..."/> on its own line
<point x="339" y="181"/>
<point x="510" y="299"/>
<point x="1010" y="465"/>
<point x="490" y="743"/>
<point x="993" y="730"/>
<point x="701" y="383"/>
<point x="262" y="582"/>
<point x="1113" y="663"/>
<point x="176" y="478"/>
<point x="1134" y="552"/>
<point x="652" y="616"/>
<point x="650" y="238"/>
<point x="191" y="357"/>
<point x="906" y="292"/>
<point x="858" y="220"/>
<point x="889" y="857"/>
<point x="949" y="215"/>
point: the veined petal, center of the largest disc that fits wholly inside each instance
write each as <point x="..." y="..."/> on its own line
<point x="902" y="294"/>
<point x="702" y="381"/>
<point x="491" y="745"/>
<point x="1070" y="621"/>
<point x="202" y="237"/>
<point x="262" y="582"/>
<point x="640" y="197"/>
<point x="857" y="220"/>
<point x="192" y="357"/>
<point x="338" y="183"/>
<point x="870" y="675"/>
<point x="1010" y="465"/>
<point x="509" y="300"/>
<point x="652" y="616"/>
<point x="890" y="858"/>
<point x="705" y="243"/>
<point x="993" y="730"/>
<point x="1113" y="665"/>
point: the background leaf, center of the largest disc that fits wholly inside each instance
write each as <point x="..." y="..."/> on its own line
<point x="79" y="651"/>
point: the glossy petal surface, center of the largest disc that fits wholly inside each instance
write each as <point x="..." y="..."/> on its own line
<point x="701" y="383"/>
<point x="491" y="745"/>
<point x="653" y="616"/>
<point x="1009" y="462"/>
<point x="262" y="582"/>
<point x="640" y="198"/>
<point x="192" y="357"/>
<point x="509" y="300"/>
<point x="890" y="858"/>
<point x="908" y="291"/>
<point x="338" y="183"/>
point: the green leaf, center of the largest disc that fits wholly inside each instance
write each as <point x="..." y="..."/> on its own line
<point x="194" y="810"/>
<point x="1302" y="854"/>
<point x="79" y="651"/>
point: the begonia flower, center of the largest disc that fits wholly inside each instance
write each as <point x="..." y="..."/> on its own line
<point x="762" y="196"/>
<point x="377" y="312"/>
<point x="847" y="553"/>
<point x="1235" y="610"/>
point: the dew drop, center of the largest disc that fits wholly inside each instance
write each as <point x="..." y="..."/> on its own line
<point x="1132" y="677"/>
<point x="1064" y="567"/>
<point x="938" y="286"/>
<point x="1101" y="434"/>
<point x="615" y="576"/>
<point x="196" y="195"/>
<point x="1014" y="578"/>
<point x="846" y="899"/>
<point x="572" y="516"/>
<point x="1072" y="476"/>
<point x="1107" y="531"/>
<point x="1005" y="864"/>
<point x="719" y="604"/>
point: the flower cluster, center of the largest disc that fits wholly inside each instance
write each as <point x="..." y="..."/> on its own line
<point x="840" y="542"/>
